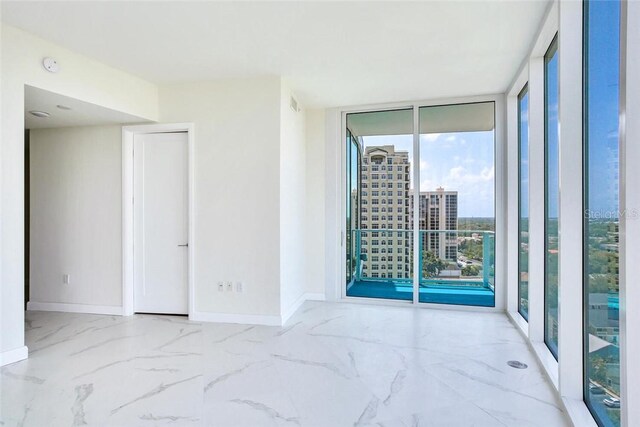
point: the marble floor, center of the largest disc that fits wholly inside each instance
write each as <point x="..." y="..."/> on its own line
<point x="333" y="364"/>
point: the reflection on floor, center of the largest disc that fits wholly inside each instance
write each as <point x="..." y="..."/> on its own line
<point x="333" y="364"/>
<point x="440" y="294"/>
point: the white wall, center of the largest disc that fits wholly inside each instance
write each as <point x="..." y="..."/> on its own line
<point x="243" y="133"/>
<point x="237" y="192"/>
<point x="292" y="204"/>
<point x="76" y="216"/>
<point x="80" y="78"/>
<point x="315" y="248"/>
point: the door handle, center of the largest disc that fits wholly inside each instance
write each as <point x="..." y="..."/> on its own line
<point x="183" y="246"/>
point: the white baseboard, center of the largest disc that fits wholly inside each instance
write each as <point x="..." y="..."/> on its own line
<point x="311" y="296"/>
<point x="245" y="319"/>
<point x="15" y="355"/>
<point x="74" y="308"/>
<point x="256" y="319"/>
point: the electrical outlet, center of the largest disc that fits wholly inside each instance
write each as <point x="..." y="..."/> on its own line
<point x="239" y="287"/>
<point x="65" y="279"/>
<point x="220" y="286"/>
<point x="229" y="286"/>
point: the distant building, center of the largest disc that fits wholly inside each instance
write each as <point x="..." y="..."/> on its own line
<point x="439" y="211"/>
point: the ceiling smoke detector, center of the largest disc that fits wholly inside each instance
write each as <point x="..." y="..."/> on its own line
<point x="40" y="114"/>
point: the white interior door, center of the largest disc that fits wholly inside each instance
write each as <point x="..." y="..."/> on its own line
<point x="160" y="223"/>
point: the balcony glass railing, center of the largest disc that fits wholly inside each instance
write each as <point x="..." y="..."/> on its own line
<point x="456" y="267"/>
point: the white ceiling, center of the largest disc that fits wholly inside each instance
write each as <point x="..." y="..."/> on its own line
<point x="80" y="113"/>
<point x="333" y="53"/>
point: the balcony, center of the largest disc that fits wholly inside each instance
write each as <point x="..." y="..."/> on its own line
<point x="456" y="267"/>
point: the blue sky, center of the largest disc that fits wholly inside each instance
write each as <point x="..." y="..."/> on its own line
<point x="552" y="148"/>
<point x="461" y="161"/>
<point x="603" y="74"/>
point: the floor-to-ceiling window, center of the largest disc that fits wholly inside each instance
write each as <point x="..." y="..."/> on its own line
<point x="601" y="311"/>
<point x="552" y="197"/>
<point x="448" y="214"/>
<point x="523" y="202"/>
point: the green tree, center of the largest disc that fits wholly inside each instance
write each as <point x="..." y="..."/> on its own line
<point x="471" y="249"/>
<point x="470" y="270"/>
<point x="431" y="264"/>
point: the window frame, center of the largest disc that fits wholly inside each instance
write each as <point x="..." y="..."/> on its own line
<point x="585" y="205"/>
<point x="552" y="50"/>
<point x="523" y="92"/>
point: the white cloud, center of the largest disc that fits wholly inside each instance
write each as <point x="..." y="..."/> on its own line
<point x="462" y="175"/>
<point x="474" y="187"/>
<point x="430" y="137"/>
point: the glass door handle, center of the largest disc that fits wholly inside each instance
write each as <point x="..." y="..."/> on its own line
<point x="183" y="246"/>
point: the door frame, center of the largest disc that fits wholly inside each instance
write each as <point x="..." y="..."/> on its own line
<point x="128" y="281"/>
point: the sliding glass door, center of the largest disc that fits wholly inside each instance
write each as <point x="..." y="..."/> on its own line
<point x="457" y="204"/>
<point x="442" y="204"/>
<point x="382" y="237"/>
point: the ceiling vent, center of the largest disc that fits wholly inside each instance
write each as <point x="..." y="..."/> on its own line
<point x="293" y="104"/>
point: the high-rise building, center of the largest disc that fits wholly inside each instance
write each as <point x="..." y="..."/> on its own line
<point x="438" y="216"/>
<point x="384" y="213"/>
